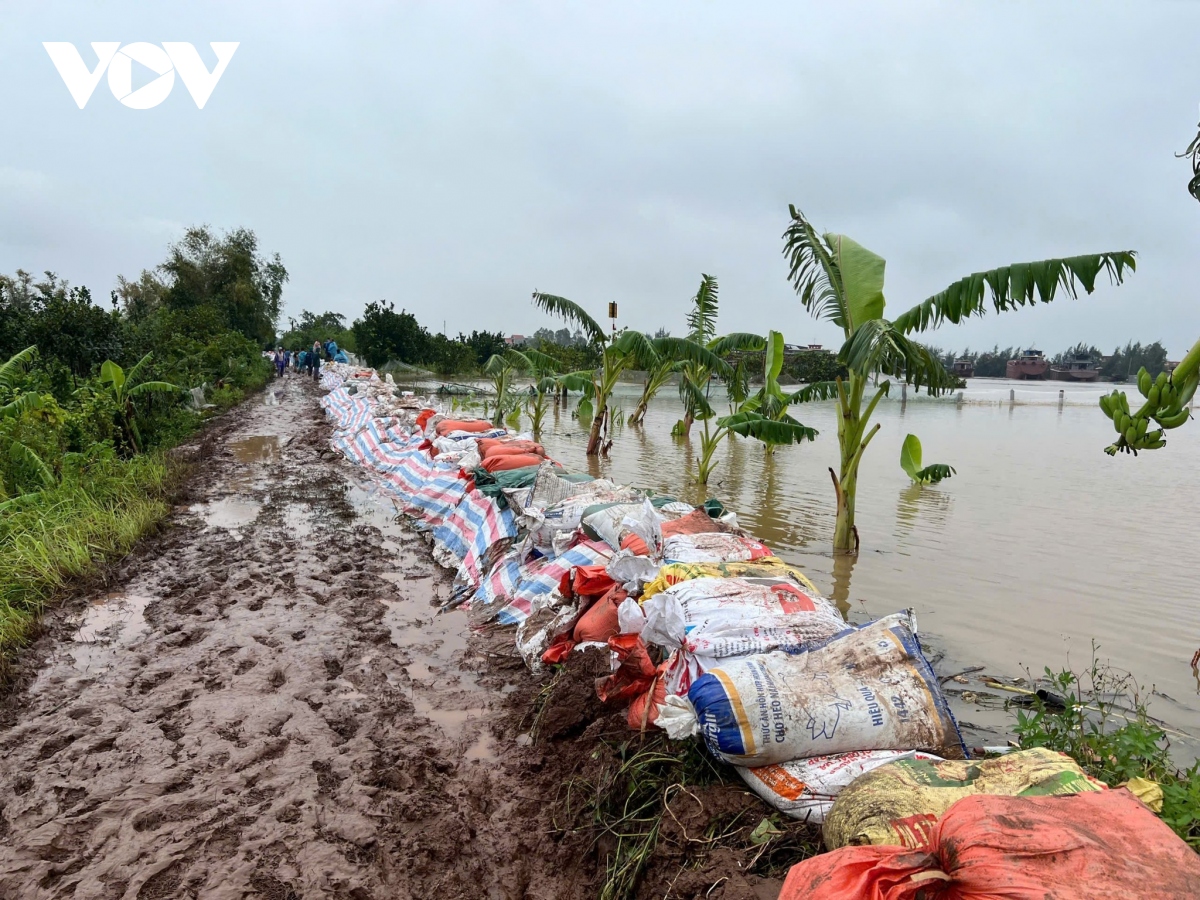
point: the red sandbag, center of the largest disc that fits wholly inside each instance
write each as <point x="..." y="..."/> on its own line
<point x="474" y="426"/>
<point x="424" y="416"/>
<point x="516" y="461"/>
<point x="695" y="522"/>
<point x="488" y="445"/>
<point x="1103" y="845"/>
<point x="599" y="623"/>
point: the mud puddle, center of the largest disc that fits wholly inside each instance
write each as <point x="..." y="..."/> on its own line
<point x="268" y="705"/>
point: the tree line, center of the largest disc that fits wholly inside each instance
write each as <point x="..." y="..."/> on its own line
<point x="1122" y="364"/>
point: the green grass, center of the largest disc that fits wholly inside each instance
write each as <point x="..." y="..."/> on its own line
<point x="1106" y="728"/>
<point x="51" y="540"/>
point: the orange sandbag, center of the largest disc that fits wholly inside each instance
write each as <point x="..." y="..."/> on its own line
<point x="695" y="522"/>
<point x="512" y="451"/>
<point x="446" y="426"/>
<point x="591" y="581"/>
<point x="1102" y="845"/>
<point x="599" y="623"/>
<point x="488" y="445"/>
<point x="424" y="416"/>
<point x="515" y="461"/>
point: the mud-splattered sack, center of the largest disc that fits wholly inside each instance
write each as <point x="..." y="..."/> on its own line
<point x="901" y="802"/>
<point x="806" y="788"/>
<point x="709" y="620"/>
<point x="870" y="689"/>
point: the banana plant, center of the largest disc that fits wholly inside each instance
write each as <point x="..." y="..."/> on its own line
<point x="619" y="352"/>
<point x="763" y="416"/>
<point x="502" y="368"/>
<point x="656" y="378"/>
<point x="910" y="462"/>
<point x="840" y="280"/>
<point x="12" y="406"/>
<point x="125" y="388"/>
<point x="695" y="377"/>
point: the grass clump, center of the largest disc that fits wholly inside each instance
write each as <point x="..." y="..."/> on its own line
<point x="95" y="514"/>
<point x="1103" y="724"/>
<point x="653" y="805"/>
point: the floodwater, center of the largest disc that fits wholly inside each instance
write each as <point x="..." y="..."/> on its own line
<point x="1040" y="545"/>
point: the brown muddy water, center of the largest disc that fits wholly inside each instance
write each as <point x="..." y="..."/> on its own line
<point x="1040" y="545"/>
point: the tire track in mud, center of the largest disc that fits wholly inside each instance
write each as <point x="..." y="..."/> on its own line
<point x="267" y="706"/>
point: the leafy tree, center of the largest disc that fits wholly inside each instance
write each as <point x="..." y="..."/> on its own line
<point x="321" y="327"/>
<point x="226" y="275"/>
<point x="484" y="345"/>
<point x="842" y="281"/>
<point x="66" y="325"/>
<point x="139" y="300"/>
<point x="382" y="335"/>
<point x="811" y="366"/>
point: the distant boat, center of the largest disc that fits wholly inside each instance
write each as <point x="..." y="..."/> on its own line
<point x="963" y="368"/>
<point x="1031" y="364"/>
<point x="1080" y="367"/>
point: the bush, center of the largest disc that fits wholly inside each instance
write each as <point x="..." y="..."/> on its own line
<point x="1105" y="727"/>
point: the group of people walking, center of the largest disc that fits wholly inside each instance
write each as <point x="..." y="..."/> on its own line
<point x="307" y="362"/>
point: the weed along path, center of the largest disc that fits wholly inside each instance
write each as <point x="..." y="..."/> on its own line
<point x="264" y="704"/>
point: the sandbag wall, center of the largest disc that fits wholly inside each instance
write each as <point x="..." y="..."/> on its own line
<point x="711" y="634"/>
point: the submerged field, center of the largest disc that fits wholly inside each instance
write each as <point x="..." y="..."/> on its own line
<point x="1040" y="545"/>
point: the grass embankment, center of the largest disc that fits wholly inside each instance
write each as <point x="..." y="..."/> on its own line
<point x="69" y="532"/>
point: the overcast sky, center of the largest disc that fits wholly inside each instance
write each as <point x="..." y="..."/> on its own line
<point x="453" y="157"/>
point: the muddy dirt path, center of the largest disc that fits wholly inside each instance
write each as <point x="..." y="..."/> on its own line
<point x="265" y="705"/>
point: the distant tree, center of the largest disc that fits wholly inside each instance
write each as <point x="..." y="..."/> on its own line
<point x="322" y="327"/>
<point x="383" y="335"/>
<point x="484" y="344"/>
<point x="140" y="299"/>
<point x="227" y="275"/>
<point x="1078" y="351"/>
<point x="1124" y="364"/>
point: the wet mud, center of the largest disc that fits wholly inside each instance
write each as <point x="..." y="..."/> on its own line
<point x="263" y="702"/>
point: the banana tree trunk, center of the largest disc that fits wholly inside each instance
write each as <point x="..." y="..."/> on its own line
<point x="639" y="412"/>
<point x="594" y="438"/>
<point x="851" y="423"/>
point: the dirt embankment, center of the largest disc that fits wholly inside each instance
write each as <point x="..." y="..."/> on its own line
<point x="266" y="705"/>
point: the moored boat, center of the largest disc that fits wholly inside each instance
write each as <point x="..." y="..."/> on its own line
<point x="1031" y="364"/>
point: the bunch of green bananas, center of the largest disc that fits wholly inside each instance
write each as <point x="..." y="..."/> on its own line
<point x="1166" y="403"/>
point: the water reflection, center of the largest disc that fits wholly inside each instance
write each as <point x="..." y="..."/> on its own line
<point x="843" y="569"/>
<point x="920" y="501"/>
